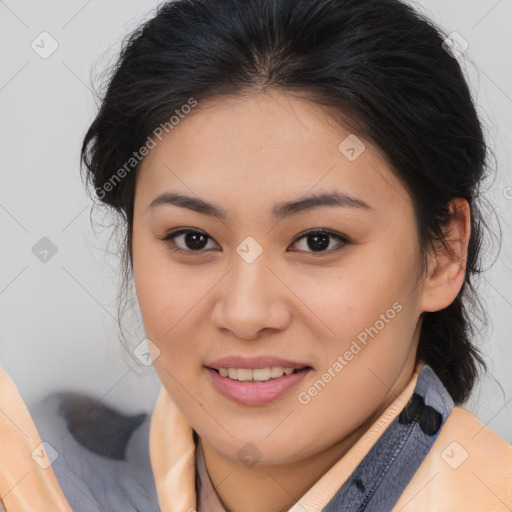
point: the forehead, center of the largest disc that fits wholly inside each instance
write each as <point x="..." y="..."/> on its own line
<point x="263" y="147"/>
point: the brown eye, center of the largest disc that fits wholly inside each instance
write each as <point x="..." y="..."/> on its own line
<point x="191" y="240"/>
<point x="319" y="240"/>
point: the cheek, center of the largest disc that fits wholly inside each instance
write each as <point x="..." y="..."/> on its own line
<point x="157" y="283"/>
<point x="170" y="301"/>
<point x="354" y="296"/>
<point x="164" y="314"/>
<point x="156" y="293"/>
<point x="370" y="309"/>
<point x="381" y="276"/>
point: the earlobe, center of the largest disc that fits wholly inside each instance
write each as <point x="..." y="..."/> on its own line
<point x="447" y="268"/>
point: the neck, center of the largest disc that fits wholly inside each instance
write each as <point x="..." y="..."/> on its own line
<point x="276" y="488"/>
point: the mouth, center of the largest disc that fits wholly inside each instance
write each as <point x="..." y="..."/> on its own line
<point x="256" y="381"/>
<point x="258" y="374"/>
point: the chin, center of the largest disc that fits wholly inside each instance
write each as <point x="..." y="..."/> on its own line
<point x="257" y="450"/>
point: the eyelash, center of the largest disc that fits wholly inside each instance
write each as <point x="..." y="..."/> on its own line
<point x="169" y="239"/>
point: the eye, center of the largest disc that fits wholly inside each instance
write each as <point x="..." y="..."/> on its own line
<point x="318" y="240"/>
<point x="194" y="239"/>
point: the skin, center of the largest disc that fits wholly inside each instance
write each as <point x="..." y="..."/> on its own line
<point x="246" y="154"/>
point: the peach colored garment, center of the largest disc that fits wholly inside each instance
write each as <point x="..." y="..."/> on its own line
<point x="468" y="468"/>
<point x="25" y="486"/>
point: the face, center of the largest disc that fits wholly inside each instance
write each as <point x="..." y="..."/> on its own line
<point x="327" y="290"/>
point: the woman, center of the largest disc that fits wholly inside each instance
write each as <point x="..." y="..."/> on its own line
<point x="299" y="182"/>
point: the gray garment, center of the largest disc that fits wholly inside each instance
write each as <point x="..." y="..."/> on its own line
<point x="380" y="479"/>
<point x="97" y="483"/>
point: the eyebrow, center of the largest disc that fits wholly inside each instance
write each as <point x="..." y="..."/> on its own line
<point x="279" y="211"/>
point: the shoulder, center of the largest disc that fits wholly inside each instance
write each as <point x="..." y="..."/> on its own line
<point x="101" y="453"/>
<point x="469" y="467"/>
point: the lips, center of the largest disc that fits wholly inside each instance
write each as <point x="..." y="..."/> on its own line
<point x="255" y="387"/>
<point x="255" y="393"/>
<point x="254" y="362"/>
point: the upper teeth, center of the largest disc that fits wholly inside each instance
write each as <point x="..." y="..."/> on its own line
<point x="259" y="374"/>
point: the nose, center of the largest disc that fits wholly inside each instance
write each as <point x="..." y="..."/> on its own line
<point x="252" y="299"/>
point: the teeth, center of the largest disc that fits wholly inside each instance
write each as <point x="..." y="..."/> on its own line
<point x="276" y="371"/>
<point x="258" y="374"/>
<point x="243" y="374"/>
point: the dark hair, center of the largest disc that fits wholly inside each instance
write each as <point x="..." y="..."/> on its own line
<point x="380" y="66"/>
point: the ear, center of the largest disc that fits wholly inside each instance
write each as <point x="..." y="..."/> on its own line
<point x="447" y="267"/>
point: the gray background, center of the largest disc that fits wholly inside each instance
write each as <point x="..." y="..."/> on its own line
<point x="58" y="327"/>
